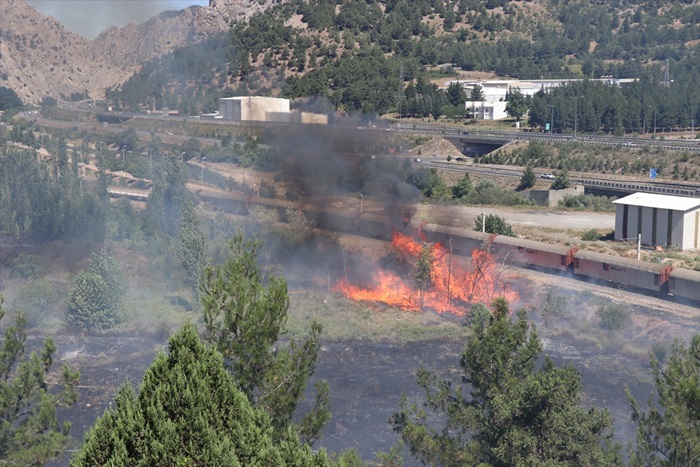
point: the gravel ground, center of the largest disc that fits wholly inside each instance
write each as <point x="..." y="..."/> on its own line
<point x="463" y="216"/>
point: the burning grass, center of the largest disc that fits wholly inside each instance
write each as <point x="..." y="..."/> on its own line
<point x="455" y="283"/>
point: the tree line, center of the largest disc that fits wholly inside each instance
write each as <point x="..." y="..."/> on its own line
<point x="376" y="57"/>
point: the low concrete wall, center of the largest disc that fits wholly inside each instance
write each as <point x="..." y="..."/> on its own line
<point x="552" y="197"/>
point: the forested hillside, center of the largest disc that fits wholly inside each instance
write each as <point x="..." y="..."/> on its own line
<point x="379" y="56"/>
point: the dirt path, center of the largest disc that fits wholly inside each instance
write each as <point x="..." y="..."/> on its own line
<point x="463" y="216"/>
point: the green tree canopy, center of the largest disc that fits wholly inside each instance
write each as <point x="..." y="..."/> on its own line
<point x="528" y="179"/>
<point x="97" y="294"/>
<point x="509" y="412"/>
<point x="516" y="105"/>
<point x="9" y="99"/>
<point x="669" y="431"/>
<point x="477" y="93"/>
<point x="561" y="182"/>
<point x="30" y="432"/>
<point x="494" y="224"/>
<point x="245" y="310"/>
<point x="188" y="411"/>
<point x="456" y="95"/>
<point x="462" y="188"/>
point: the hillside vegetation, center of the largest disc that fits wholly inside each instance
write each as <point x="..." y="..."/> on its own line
<point x="377" y="57"/>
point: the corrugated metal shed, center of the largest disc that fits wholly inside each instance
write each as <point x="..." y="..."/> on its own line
<point x="661" y="220"/>
<point x="651" y="200"/>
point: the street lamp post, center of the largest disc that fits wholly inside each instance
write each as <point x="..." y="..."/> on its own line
<point x="123" y="149"/>
<point x="203" y="159"/>
<point x="551" y="122"/>
<point x="654" y="123"/>
<point x="575" y="114"/>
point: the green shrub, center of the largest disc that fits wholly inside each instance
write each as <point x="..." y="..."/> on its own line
<point x="554" y="304"/>
<point x="90" y="305"/>
<point x="494" y="224"/>
<point x="27" y="267"/>
<point x="590" y="235"/>
<point x="478" y="316"/>
<point x="612" y="317"/>
<point x="587" y="203"/>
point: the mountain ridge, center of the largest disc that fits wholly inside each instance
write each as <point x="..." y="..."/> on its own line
<point x="40" y="58"/>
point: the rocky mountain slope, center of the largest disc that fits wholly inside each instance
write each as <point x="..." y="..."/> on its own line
<point x="39" y="57"/>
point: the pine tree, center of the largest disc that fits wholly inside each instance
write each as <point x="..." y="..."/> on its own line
<point x="244" y="315"/>
<point x="528" y="179"/>
<point x="423" y="271"/>
<point x="509" y="412"/>
<point x="193" y="248"/>
<point x="30" y="433"/>
<point x="188" y="411"/>
<point x="669" y="431"/>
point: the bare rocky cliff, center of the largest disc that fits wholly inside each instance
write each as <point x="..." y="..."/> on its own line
<point x="39" y="57"/>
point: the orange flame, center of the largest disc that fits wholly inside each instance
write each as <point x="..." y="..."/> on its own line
<point x="454" y="283"/>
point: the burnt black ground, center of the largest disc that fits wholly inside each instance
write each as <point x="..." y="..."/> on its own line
<point x="367" y="380"/>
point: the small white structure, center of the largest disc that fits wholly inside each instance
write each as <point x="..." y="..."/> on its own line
<point x="487" y="110"/>
<point x="662" y="220"/>
<point x="252" y="108"/>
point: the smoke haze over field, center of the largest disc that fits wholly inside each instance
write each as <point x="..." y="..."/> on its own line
<point x="90" y="17"/>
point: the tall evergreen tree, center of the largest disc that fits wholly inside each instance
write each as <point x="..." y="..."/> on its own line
<point x="528" y="179"/>
<point x="509" y="412"/>
<point x="423" y="271"/>
<point x="30" y="432"/>
<point x="188" y="411"/>
<point x="193" y="248"/>
<point x="669" y="431"/>
<point x="245" y="311"/>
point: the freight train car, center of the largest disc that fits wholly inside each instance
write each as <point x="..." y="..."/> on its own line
<point x="684" y="283"/>
<point x="461" y="241"/>
<point x="623" y="271"/>
<point x="518" y="251"/>
<point x="663" y="279"/>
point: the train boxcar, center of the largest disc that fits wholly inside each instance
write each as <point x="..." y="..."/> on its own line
<point x="624" y="271"/>
<point x="462" y="241"/>
<point x="517" y="251"/>
<point x="684" y="283"/>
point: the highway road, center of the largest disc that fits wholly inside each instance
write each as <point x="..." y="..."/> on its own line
<point x="622" y="141"/>
<point x="615" y="184"/>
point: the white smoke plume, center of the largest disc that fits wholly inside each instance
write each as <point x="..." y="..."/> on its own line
<point x="89" y="18"/>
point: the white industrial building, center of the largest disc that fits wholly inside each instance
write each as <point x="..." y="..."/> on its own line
<point x="494" y="108"/>
<point x="487" y="110"/>
<point x="662" y="220"/>
<point x="253" y="108"/>
<point x="265" y="109"/>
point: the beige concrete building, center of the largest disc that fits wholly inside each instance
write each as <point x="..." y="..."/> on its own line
<point x="662" y="220"/>
<point x="252" y="108"/>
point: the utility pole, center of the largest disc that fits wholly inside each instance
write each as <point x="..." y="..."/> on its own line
<point x="399" y="94"/>
<point x="551" y="122"/>
<point x="639" y="247"/>
<point x="203" y="159"/>
<point x="575" y="114"/>
<point x="654" y="123"/>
